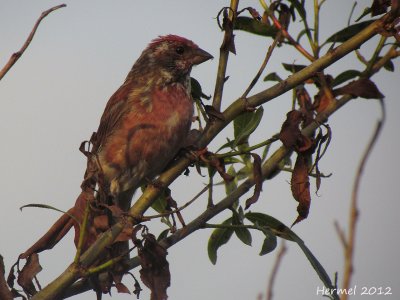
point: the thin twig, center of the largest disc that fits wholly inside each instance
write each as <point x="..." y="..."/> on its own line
<point x="15" y="56"/>
<point x="249" y="149"/>
<point x="291" y="40"/>
<point x="322" y="175"/>
<point x="340" y="233"/>
<point x="107" y="265"/>
<point x="263" y="65"/>
<point x="232" y="226"/>
<point x="349" y="250"/>
<point x="146" y="218"/>
<point x="390" y="54"/>
<point x="274" y="272"/>
<point x="375" y="55"/>
<point x="316" y="47"/>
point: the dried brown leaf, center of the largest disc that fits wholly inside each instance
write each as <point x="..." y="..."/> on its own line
<point x="155" y="268"/>
<point x="304" y="100"/>
<point x="5" y="292"/>
<point x="254" y="13"/>
<point x="379" y="7"/>
<point x="300" y="185"/>
<point x="125" y="235"/>
<point x="28" y="273"/>
<point x="362" y="87"/>
<point x="290" y="134"/>
<point x="101" y="223"/>
<point x="122" y="288"/>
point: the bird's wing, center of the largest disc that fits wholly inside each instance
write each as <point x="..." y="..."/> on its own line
<point x="115" y="109"/>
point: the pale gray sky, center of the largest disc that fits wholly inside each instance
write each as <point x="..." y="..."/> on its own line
<point x="52" y="100"/>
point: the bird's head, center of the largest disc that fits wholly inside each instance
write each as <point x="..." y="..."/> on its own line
<point x="173" y="56"/>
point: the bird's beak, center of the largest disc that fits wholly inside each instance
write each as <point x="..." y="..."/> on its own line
<point x="200" y="56"/>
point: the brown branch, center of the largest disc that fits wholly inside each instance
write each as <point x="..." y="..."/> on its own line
<point x="15" y="56"/>
<point x="390" y="54"/>
<point x="223" y="57"/>
<point x="274" y="272"/>
<point x="349" y="250"/>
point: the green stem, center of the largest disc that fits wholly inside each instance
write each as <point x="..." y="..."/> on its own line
<point x="375" y="56"/>
<point x="105" y="266"/>
<point x="223" y="58"/>
<point x="316" y="29"/>
<point x="231" y="226"/>
<point x="248" y="149"/>
<point x="82" y="233"/>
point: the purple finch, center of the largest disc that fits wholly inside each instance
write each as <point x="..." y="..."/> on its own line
<point x="148" y="118"/>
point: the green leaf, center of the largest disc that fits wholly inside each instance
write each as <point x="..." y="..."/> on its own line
<point x="244" y="172"/>
<point x="163" y="234"/>
<point x="242" y="233"/>
<point x="228" y="144"/>
<point x="219" y="237"/>
<point x="231" y="160"/>
<point x="160" y="204"/>
<point x="389" y="66"/>
<point x="253" y="26"/>
<point x="281" y="230"/>
<point x="196" y="90"/>
<point x="269" y="244"/>
<point x="293" y="68"/>
<point x="348" y="32"/>
<point x="274" y="225"/>
<point x="272" y="77"/>
<point x="231" y="185"/>
<point x="301" y="33"/>
<point x="366" y="11"/>
<point x="265" y="152"/>
<point x="245" y="124"/>
<point x="344" y="76"/>
<point x="38" y="205"/>
<point x="300" y="8"/>
<point x="211" y="171"/>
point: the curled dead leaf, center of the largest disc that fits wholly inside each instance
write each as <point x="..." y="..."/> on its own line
<point x="28" y="274"/>
<point x="254" y="13"/>
<point x="290" y="134"/>
<point x="304" y="101"/>
<point x="363" y="87"/>
<point x="122" y="288"/>
<point x="324" y="100"/>
<point x="300" y="186"/>
<point x="155" y="268"/>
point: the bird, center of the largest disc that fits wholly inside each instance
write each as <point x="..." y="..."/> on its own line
<point x="147" y="120"/>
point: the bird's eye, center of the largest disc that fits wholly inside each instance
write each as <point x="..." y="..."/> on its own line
<point x="180" y="50"/>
